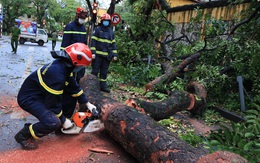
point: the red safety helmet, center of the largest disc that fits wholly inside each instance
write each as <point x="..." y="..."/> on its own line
<point x="80" y="54"/>
<point x="81" y="13"/>
<point x="105" y="16"/>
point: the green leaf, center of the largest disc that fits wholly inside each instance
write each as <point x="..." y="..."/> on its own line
<point x="236" y="138"/>
<point x="227" y="134"/>
<point x="242" y="143"/>
<point x="250" y="117"/>
<point x="249" y="134"/>
<point x="255" y="151"/>
<point x="233" y="125"/>
<point x="255" y="112"/>
<point x="257" y="144"/>
<point x="251" y="121"/>
<point x="248" y="146"/>
<point x="218" y="138"/>
<point x="214" y="142"/>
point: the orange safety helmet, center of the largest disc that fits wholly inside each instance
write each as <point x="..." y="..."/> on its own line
<point x="105" y="16"/>
<point x="80" y="54"/>
<point x="81" y="13"/>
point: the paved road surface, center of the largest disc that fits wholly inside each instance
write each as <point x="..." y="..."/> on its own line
<point x="14" y="68"/>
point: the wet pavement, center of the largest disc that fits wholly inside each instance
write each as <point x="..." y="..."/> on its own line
<point x="16" y="67"/>
<point x="52" y="148"/>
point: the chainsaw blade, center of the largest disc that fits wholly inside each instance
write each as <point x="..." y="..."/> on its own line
<point x="93" y="126"/>
<point x="72" y="130"/>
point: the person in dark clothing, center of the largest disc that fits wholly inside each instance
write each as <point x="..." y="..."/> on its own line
<point x="103" y="47"/>
<point x="54" y="36"/>
<point x="41" y="93"/>
<point x="15" y="37"/>
<point x="74" y="32"/>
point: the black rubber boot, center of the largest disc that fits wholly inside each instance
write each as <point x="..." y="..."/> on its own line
<point x="25" y="138"/>
<point x="103" y="87"/>
<point x="58" y="132"/>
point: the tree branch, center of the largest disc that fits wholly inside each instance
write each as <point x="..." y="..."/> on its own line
<point x="254" y="14"/>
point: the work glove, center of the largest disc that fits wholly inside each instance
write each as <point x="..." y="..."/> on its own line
<point x="93" y="56"/>
<point x="67" y="124"/>
<point x="93" y="109"/>
<point x="114" y="58"/>
<point x="88" y="106"/>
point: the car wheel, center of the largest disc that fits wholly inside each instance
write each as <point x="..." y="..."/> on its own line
<point x="40" y="43"/>
<point x="21" y="40"/>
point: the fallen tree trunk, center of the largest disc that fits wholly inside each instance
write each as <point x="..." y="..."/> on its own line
<point x="171" y="73"/>
<point x="194" y="100"/>
<point x="139" y="134"/>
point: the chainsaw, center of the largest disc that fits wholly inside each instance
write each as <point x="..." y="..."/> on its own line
<point x="84" y="122"/>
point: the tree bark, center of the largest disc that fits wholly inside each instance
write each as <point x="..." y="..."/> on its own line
<point x="139" y="134"/>
<point x="178" y="101"/>
<point x="142" y="136"/>
<point x="171" y="74"/>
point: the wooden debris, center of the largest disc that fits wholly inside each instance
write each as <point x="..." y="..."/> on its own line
<point x="100" y="150"/>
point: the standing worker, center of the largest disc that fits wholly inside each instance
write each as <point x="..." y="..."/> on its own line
<point x="74" y="32"/>
<point x="103" y="47"/>
<point x="15" y="37"/>
<point x="54" y="36"/>
<point x="41" y="94"/>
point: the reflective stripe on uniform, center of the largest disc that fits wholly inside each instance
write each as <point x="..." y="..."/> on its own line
<point x="101" y="52"/>
<point x="32" y="132"/>
<point x="102" y="40"/>
<point x="114" y="51"/>
<point x="102" y="80"/>
<point x="78" y="94"/>
<point x="52" y="91"/>
<point x="92" y="48"/>
<point x="58" y="115"/>
<point x="74" y="32"/>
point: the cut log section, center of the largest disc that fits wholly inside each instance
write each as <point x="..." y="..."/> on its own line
<point x="139" y="134"/>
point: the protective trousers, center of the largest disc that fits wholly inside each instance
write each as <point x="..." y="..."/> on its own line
<point x="100" y="65"/>
<point x="14" y="44"/>
<point x="53" y="44"/>
<point x="48" y="121"/>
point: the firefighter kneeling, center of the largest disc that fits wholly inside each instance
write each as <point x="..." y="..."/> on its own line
<point x="41" y="94"/>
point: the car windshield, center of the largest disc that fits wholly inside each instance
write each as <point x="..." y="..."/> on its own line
<point x="42" y="32"/>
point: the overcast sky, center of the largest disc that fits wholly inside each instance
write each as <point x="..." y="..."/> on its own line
<point x="104" y="3"/>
